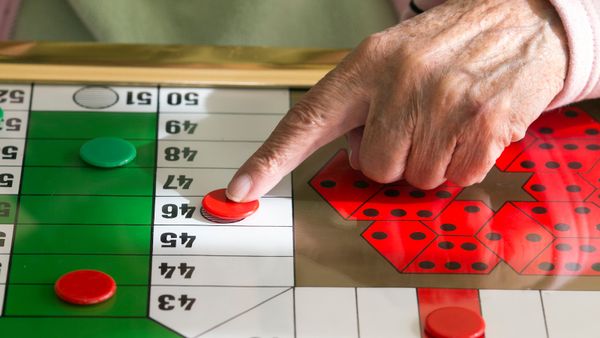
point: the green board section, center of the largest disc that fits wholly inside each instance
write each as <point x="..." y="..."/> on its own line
<point x="75" y="216"/>
<point x="88" y="125"/>
<point x="45" y="269"/>
<point x="66" y="153"/>
<point x="82" y="239"/>
<point x="88" y="181"/>
<point x="85" y="210"/>
<point x="83" y="327"/>
<point x="40" y="300"/>
<point x="8" y="208"/>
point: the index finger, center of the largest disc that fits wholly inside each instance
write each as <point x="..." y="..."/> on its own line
<point x="330" y="109"/>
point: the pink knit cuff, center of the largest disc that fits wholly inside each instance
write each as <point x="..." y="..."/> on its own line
<point x="8" y="15"/>
<point x="581" y="21"/>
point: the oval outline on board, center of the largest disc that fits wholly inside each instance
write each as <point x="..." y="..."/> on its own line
<point x="110" y="101"/>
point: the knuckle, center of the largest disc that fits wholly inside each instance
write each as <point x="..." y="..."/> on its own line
<point x="379" y="174"/>
<point x="452" y="91"/>
<point x="466" y="179"/>
<point x="305" y="115"/>
<point x="462" y="180"/>
<point x="422" y="181"/>
<point x="373" y="42"/>
<point x="414" y="61"/>
<point x="269" y="160"/>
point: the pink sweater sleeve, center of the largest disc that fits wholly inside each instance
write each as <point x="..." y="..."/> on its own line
<point x="581" y="20"/>
<point x="8" y="15"/>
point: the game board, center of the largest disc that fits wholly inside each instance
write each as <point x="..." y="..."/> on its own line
<point x="328" y="254"/>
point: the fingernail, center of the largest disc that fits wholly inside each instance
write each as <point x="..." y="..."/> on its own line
<point x="239" y="187"/>
<point x="350" y="160"/>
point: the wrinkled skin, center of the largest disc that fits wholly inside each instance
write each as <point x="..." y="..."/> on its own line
<point x="435" y="98"/>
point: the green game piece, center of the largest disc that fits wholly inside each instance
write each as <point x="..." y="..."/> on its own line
<point x="107" y="152"/>
<point x="1" y="114"/>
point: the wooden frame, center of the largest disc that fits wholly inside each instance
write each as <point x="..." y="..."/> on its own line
<point x="164" y="64"/>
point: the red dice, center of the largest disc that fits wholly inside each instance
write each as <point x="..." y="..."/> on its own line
<point x="398" y="241"/>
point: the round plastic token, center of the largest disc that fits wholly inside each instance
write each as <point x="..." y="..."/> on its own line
<point x="107" y="152"/>
<point x="454" y="322"/>
<point x="217" y="207"/>
<point x="1" y="114"/>
<point x="85" y="287"/>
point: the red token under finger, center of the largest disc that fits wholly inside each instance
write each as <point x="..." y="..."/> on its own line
<point x="85" y="287"/>
<point x="454" y="322"/>
<point x="217" y="205"/>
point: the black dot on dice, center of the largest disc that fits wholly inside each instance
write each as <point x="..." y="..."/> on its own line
<point x="468" y="246"/>
<point x="379" y="235"/>
<point x="327" y="184"/>
<point x="446" y="245"/>
<point x="574" y="165"/>
<point x="533" y="237"/>
<point x="546" y="146"/>
<point x="527" y="164"/>
<point x="546" y="130"/>
<point x="592" y="147"/>
<point x="573" y="188"/>
<point x="596" y="267"/>
<point x="452" y="265"/>
<point x="424" y="213"/>
<point x="570" y="146"/>
<point x="426" y="265"/>
<point x="479" y="266"/>
<point x="398" y="212"/>
<point x="493" y="236"/>
<point x="598" y="227"/>
<point x="443" y="194"/>
<point x="448" y="227"/>
<point x="392" y="192"/>
<point x="370" y="212"/>
<point x="417" y="236"/>
<point x="563" y="247"/>
<point x="539" y="210"/>
<point x="472" y="208"/>
<point x="570" y="113"/>
<point x="361" y="184"/>
<point x="573" y="266"/>
<point x="592" y="131"/>
<point x="552" y="165"/>
<point x="582" y="210"/>
<point x="587" y="248"/>
<point x="546" y="266"/>
<point x="562" y="227"/>
<point x="538" y="187"/>
<point x="417" y="193"/>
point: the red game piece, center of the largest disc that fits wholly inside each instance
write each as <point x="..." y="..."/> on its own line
<point x="85" y="287"/>
<point x="216" y="207"/>
<point x="454" y="322"/>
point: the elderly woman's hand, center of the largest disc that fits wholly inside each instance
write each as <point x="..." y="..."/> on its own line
<point x="436" y="97"/>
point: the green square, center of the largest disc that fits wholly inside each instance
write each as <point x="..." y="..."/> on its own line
<point x="65" y="153"/>
<point x="40" y="300"/>
<point x="88" y="181"/>
<point x="83" y="327"/>
<point x="82" y="239"/>
<point x="87" y="125"/>
<point x="82" y="210"/>
<point x="46" y="269"/>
